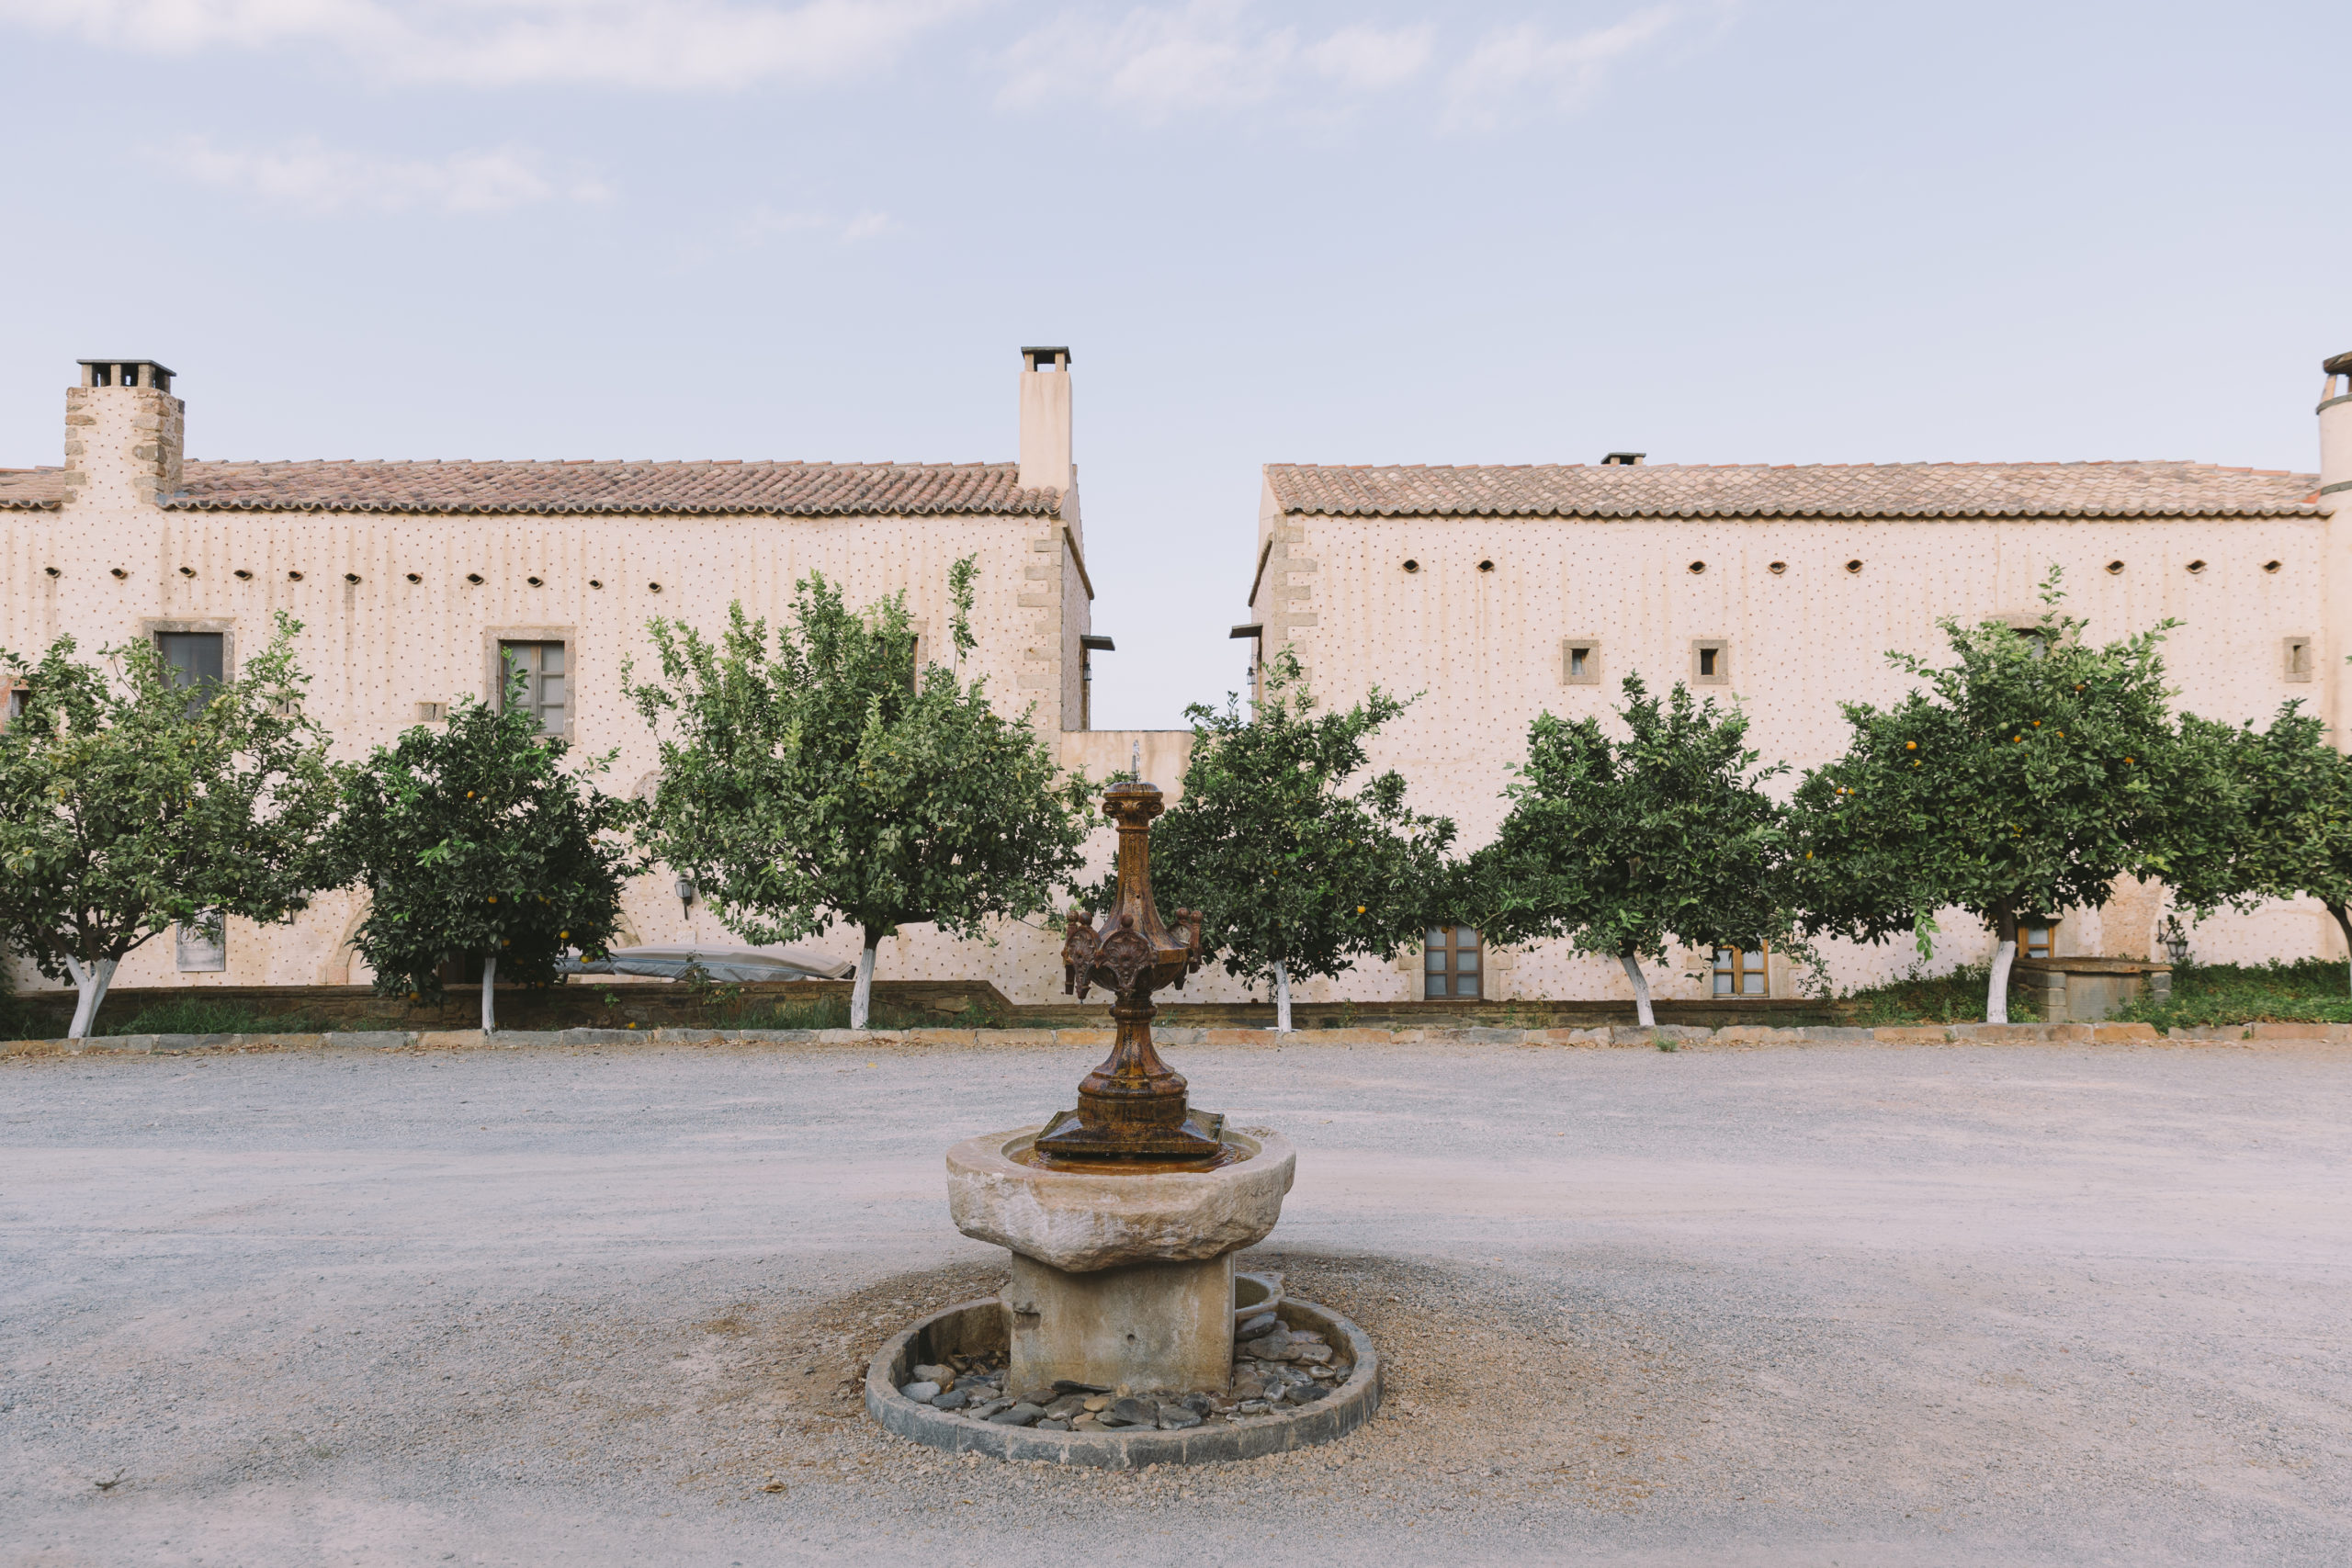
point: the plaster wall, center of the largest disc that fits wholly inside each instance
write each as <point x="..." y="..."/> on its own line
<point x="1479" y="647"/>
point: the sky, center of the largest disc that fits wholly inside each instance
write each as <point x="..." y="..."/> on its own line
<point x="1715" y="230"/>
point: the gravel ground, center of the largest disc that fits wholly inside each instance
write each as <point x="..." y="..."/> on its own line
<point x="1836" y="1305"/>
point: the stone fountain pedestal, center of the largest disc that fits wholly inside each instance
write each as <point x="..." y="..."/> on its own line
<point x="1119" y="1278"/>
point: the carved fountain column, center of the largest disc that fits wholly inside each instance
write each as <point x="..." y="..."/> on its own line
<point x="1123" y="1215"/>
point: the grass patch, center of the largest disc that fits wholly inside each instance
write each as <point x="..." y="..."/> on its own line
<point x="1956" y="995"/>
<point x="2314" y="990"/>
<point x="196" y="1016"/>
<point x="832" y="1013"/>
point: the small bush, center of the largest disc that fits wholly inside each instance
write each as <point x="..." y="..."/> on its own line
<point x="2312" y="991"/>
<point x="832" y="1013"/>
<point x="1956" y="996"/>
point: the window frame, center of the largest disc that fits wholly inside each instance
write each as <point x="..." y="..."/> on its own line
<point x="2048" y="929"/>
<point x="493" y="668"/>
<point x="1721" y="647"/>
<point x="1449" y="944"/>
<point x="1739" y="970"/>
<point x="2296" y="662"/>
<point x="217" y="947"/>
<point x="1591" y="674"/>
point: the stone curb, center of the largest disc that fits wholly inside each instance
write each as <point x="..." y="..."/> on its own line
<point x="1328" y="1419"/>
<point x="1602" y="1037"/>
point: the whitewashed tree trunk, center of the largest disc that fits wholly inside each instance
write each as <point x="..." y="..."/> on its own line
<point x="1641" y="990"/>
<point x="2343" y="924"/>
<point x="1996" y="989"/>
<point x="489" y="1007"/>
<point x="861" y="995"/>
<point x="90" y="980"/>
<point x="1282" y="998"/>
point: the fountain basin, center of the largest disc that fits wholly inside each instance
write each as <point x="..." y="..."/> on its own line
<point x="982" y="1326"/>
<point x="1079" y="1222"/>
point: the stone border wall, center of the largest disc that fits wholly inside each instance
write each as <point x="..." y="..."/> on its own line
<point x="1664" y="1038"/>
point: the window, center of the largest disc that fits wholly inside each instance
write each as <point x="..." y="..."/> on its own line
<point x="2297" y="658"/>
<point x="1740" y="972"/>
<point x="17" y="697"/>
<point x="196" y="659"/>
<point x="1451" y="963"/>
<point x="202" y="944"/>
<point x="1710" y="661"/>
<point x="547" y="688"/>
<point x="2038" y="940"/>
<point x="1581" y="660"/>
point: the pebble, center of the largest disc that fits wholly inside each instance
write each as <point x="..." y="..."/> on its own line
<point x="1065" y="1385"/>
<point x="1316" y="1355"/>
<point x="1257" y="1326"/>
<point x="954" y="1399"/>
<point x="1052" y="1426"/>
<point x="1067" y="1407"/>
<point x="1018" y="1415"/>
<point x="982" y="1411"/>
<point x="1175" y="1418"/>
<point x="1274" y="1346"/>
<point x="920" y="1392"/>
<point x="1098" y="1401"/>
<point x="944" y="1376"/>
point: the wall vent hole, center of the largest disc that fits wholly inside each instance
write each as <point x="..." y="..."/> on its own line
<point x="2270" y="566"/>
<point x="535" y="582"/>
<point x="1412" y="566"/>
<point x="120" y="573"/>
<point x="1854" y="566"/>
<point x="2196" y="568"/>
<point x="187" y="571"/>
<point x="1485" y="566"/>
<point x="1777" y="567"/>
<point x="2114" y="568"/>
<point x="416" y="577"/>
<point x="1697" y="567"/>
<point x="52" y="572"/>
<point x="293" y="577"/>
<point x="474" y="577"/>
<point x="653" y="588"/>
<point x="242" y="575"/>
<point x="351" y="577"/>
<point x="596" y="582"/>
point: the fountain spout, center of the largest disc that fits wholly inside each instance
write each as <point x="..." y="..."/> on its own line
<point x="1132" y="1111"/>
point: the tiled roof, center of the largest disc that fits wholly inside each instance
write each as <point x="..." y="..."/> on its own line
<point x="26" y="488"/>
<point x="793" y="489"/>
<point x="1753" y="490"/>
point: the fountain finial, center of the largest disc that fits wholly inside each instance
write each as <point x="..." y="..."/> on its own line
<point x="1132" y="1107"/>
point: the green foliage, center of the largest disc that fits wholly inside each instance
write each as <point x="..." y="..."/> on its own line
<point x="2022" y="780"/>
<point x="197" y="1015"/>
<point x="1629" y="846"/>
<point x="2270" y="819"/>
<point x="826" y="778"/>
<point x="2309" y="991"/>
<point x="1289" y="866"/>
<point x="1954" y="996"/>
<point x="129" y="803"/>
<point x="474" y="840"/>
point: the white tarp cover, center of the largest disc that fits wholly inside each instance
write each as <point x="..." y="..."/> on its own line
<point x="736" y="964"/>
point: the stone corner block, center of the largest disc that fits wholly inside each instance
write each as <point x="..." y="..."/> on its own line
<point x="1086" y="1036"/>
<point x="942" y="1036"/>
<point x="2290" y="1031"/>
<point x="2124" y="1034"/>
<point x="588" y="1037"/>
<point x="685" y="1036"/>
<point x="431" y="1038"/>
<point x="1913" y="1035"/>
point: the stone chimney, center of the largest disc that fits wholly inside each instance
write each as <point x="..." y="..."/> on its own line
<point x="2336" y="495"/>
<point x="1045" y="419"/>
<point x="124" y="433"/>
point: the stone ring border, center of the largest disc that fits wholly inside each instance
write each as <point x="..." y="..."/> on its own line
<point x="1335" y="1415"/>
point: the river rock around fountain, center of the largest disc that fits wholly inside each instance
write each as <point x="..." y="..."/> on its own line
<point x="1274" y="1368"/>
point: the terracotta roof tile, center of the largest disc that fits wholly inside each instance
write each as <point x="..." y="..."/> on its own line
<point x="1753" y="490"/>
<point x="797" y="490"/>
<point x="23" y="490"/>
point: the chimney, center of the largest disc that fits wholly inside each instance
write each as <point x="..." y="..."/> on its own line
<point x="124" y="433"/>
<point x="1045" y="419"/>
<point x="2335" y="496"/>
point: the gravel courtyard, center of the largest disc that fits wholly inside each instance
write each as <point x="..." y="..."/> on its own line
<point x="1824" y="1304"/>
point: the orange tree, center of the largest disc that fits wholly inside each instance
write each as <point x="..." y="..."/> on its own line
<point x="129" y="803"/>
<point x="2021" y="780"/>
<point x="1295" y="874"/>
<point x="1626" y="847"/>
<point x="473" y="840"/>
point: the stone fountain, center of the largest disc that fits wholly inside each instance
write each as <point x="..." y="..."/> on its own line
<point x="1122" y="1216"/>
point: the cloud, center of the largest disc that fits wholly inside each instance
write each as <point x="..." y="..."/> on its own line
<point x="316" y="179"/>
<point x="633" y="43"/>
<point x="764" y="222"/>
<point x="1509" y="66"/>
<point x="1155" y="62"/>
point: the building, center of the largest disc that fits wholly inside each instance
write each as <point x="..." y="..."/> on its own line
<point x="1493" y="592"/>
<point x="413" y="580"/>
<point x="1498" y="592"/>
